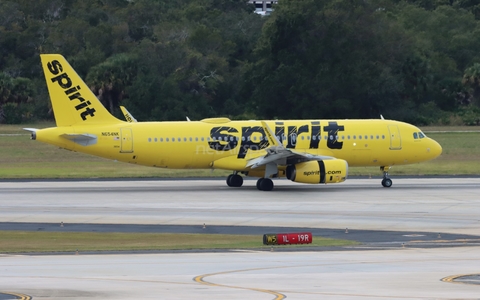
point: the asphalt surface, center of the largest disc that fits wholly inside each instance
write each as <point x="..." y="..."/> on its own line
<point x="412" y="214"/>
<point x="367" y="238"/>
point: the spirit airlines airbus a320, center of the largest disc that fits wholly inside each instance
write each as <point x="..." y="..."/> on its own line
<point x="304" y="151"/>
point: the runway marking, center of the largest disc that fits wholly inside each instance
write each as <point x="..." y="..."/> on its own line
<point x="200" y="279"/>
<point x="20" y="296"/>
<point x="280" y="294"/>
<point x="453" y="278"/>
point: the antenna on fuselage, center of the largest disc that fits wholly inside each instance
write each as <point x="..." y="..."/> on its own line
<point x="381" y="117"/>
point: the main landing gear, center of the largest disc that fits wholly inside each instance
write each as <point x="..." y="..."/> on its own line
<point x="386" y="181"/>
<point x="234" y="180"/>
<point x="265" y="184"/>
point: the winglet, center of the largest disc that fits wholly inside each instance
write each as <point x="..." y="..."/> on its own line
<point x="128" y="116"/>
<point x="272" y="138"/>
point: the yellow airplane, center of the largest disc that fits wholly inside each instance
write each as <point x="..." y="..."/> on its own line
<point x="304" y="151"/>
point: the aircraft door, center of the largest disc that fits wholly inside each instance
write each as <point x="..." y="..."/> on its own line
<point x="126" y="139"/>
<point x="395" y="138"/>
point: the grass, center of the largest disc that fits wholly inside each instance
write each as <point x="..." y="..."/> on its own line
<point x="22" y="158"/>
<point x="34" y="241"/>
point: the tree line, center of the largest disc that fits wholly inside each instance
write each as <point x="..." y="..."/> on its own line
<point x="416" y="61"/>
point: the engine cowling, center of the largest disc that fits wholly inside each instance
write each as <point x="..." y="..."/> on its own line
<point x="322" y="171"/>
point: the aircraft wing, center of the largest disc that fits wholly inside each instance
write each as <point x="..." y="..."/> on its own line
<point x="280" y="155"/>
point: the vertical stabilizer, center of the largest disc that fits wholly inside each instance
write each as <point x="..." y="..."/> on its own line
<point x="72" y="100"/>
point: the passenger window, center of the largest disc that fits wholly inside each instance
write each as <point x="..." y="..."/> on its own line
<point x="359" y="137"/>
<point x="203" y="139"/>
<point x="161" y="139"/>
<point x="184" y="139"/>
<point x="167" y="139"/>
<point x="383" y="137"/>
<point x="378" y="137"/>
<point x="371" y="137"/>
<point x="354" y="137"/>
<point x="149" y="139"/>
<point x="173" y="139"/>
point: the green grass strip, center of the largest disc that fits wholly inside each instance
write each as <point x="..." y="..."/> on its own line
<point x="34" y="241"/>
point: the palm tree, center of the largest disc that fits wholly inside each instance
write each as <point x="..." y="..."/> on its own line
<point x="471" y="78"/>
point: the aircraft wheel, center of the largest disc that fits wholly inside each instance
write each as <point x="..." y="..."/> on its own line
<point x="259" y="183"/>
<point x="265" y="184"/>
<point x="236" y="180"/>
<point x="387" y="182"/>
<point x="229" y="180"/>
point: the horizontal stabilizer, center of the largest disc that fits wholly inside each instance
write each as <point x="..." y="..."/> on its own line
<point x="31" y="129"/>
<point x="83" y="139"/>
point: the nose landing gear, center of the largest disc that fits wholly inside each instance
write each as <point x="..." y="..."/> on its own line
<point x="386" y="181"/>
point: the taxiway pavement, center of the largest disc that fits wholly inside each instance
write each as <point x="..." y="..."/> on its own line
<point x="447" y="205"/>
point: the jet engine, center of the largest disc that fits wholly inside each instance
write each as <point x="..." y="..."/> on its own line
<point x="321" y="171"/>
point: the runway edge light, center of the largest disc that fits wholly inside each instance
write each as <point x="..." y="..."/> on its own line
<point x="287" y="238"/>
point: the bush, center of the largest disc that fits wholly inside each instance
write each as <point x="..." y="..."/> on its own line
<point x="13" y="113"/>
<point x="470" y="115"/>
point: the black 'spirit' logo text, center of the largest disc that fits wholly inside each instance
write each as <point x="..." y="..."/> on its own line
<point x="72" y="92"/>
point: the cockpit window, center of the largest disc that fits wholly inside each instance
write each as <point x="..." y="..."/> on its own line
<point x="418" y="135"/>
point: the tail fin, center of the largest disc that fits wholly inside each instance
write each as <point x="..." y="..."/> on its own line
<point x="72" y="100"/>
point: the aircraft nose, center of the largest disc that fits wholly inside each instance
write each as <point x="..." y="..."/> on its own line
<point x="434" y="149"/>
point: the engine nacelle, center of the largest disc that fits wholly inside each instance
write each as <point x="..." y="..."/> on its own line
<point x="322" y="171"/>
